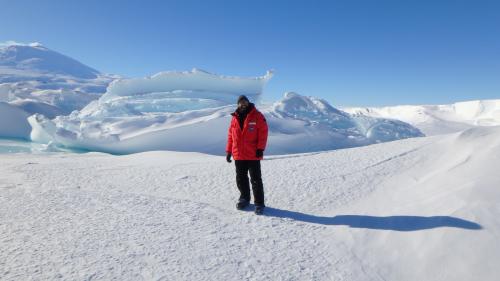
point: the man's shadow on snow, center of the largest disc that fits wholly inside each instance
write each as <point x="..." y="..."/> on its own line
<point x="396" y="223"/>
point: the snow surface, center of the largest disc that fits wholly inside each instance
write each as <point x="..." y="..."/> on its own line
<point x="35" y="57"/>
<point x="307" y="124"/>
<point x="36" y="79"/>
<point x="415" y="209"/>
<point x="439" y="119"/>
<point x="167" y="111"/>
<point x="136" y="115"/>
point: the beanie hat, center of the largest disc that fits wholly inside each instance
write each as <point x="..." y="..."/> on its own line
<point x="242" y="97"/>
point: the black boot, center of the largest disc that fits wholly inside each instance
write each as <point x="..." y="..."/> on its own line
<point x="259" y="209"/>
<point x="242" y="204"/>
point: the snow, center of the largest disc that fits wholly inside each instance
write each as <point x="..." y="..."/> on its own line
<point x="36" y="79"/>
<point x="35" y="57"/>
<point x="135" y="117"/>
<point x="195" y="81"/>
<point x="439" y="119"/>
<point x="401" y="207"/>
<point x="13" y="122"/>
<point x="74" y="106"/>
<point x="168" y="111"/>
<point x="327" y="128"/>
<point x="414" y="209"/>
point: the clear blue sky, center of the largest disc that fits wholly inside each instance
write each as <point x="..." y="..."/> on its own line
<point x="372" y="52"/>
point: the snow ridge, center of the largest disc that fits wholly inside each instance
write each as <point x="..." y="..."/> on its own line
<point x="439" y="119"/>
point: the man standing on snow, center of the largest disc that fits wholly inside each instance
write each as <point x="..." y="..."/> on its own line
<point x="246" y="142"/>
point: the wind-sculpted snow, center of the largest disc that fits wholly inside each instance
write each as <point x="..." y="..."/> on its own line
<point x="415" y="209"/>
<point x="172" y="92"/>
<point x="439" y="119"/>
<point x="304" y="124"/>
<point x="167" y="111"/>
<point x="183" y="111"/>
<point x="197" y="120"/>
<point x="195" y="83"/>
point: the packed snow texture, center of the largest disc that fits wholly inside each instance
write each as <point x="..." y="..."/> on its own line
<point x="439" y="119"/>
<point x="415" y="209"/>
<point x="36" y="79"/>
<point x="133" y="116"/>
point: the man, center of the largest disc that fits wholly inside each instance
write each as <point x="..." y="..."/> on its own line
<point x="246" y="143"/>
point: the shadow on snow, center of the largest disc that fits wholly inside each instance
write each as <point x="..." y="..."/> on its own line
<point x="396" y="223"/>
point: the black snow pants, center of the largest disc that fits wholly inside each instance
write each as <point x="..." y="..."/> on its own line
<point x="242" y="169"/>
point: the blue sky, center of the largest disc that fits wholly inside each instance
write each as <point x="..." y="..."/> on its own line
<point x="373" y="52"/>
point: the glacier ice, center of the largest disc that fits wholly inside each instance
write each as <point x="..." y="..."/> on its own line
<point x="162" y="113"/>
<point x="75" y="106"/>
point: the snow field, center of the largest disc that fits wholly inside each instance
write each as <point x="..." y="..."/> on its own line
<point x="415" y="209"/>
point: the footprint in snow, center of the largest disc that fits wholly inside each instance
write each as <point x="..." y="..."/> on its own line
<point x="182" y="178"/>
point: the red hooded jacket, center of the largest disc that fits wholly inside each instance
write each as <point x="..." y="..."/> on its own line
<point x="243" y="144"/>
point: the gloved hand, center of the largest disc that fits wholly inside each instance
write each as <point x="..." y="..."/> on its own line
<point x="259" y="153"/>
<point x="228" y="157"/>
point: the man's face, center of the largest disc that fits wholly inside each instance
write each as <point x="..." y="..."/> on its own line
<point x="243" y="105"/>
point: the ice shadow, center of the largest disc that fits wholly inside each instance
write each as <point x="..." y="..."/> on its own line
<point x="396" y="223"/>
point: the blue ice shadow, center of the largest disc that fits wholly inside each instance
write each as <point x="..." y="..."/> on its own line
<point x="396" y="223"/>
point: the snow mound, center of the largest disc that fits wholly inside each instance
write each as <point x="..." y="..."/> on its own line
<point x="174" y="119"/>
<point x="440" y="119"/>
<point x="303" y="124"/>
<point x="295" y="105"/>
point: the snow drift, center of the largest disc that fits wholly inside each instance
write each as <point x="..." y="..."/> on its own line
<point x="439" y="119"/>
<point x="35" y="79"/>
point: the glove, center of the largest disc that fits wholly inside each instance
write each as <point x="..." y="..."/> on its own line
<point x="228" y="157"/>
<point x="259" y="153"/>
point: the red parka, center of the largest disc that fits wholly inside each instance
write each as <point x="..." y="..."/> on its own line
<point x="243" y="144"/>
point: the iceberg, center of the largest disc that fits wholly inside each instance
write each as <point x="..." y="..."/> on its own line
<point x="181" y="111"/>
<point x="190" y="111"/>
<point x="194" y="81"/>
